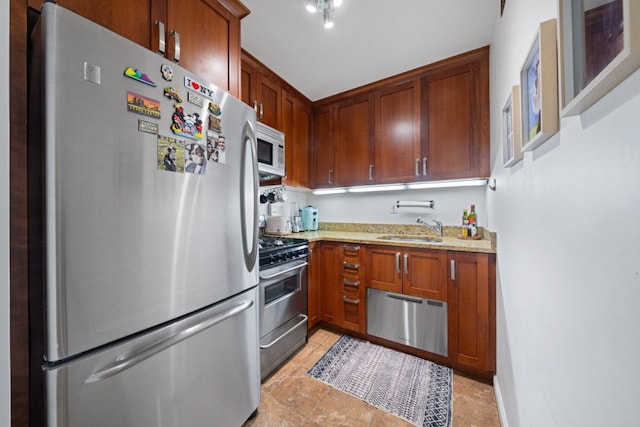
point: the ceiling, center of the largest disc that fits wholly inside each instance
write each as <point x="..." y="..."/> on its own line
<point x="371" y="39"/>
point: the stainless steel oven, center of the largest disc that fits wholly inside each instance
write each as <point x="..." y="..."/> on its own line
<point x="283" y="300"/>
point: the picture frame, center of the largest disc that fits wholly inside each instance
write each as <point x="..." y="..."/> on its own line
<point x="511" y="129"/>
<point x="539" y="88"/>
<point x="591" y="64"/>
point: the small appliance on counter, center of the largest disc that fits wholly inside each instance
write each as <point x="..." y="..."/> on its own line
<point x="278" y="225"/>
<point x="309" y="216"/>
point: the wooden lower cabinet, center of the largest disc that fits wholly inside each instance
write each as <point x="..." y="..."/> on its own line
<point x="338" y="270"/>
<point x="465" y="280"/>
<point x="313" y="287"/>
<point x="416" y="272"/>
<point x="471" y="287"/>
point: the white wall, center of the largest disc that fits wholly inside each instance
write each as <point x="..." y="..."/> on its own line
<point x="568" y="323"/>
<point x="5" y="385"/>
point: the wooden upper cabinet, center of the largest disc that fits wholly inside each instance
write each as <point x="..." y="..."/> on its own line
<point x="455" y="129"/>
<point x="296" y="125"/>
<point x="208" y="31"/>
<point x="269" y="102"/>
<point x="261" y="91"/>
<point x="321" y="173"/>
<point x="397" y="133"/>
<point x="353" y="142"/>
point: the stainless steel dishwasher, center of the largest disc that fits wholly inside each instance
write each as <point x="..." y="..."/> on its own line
<point x="408" y="320"/>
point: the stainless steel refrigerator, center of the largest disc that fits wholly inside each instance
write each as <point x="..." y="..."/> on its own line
<point x="151" y="185"/>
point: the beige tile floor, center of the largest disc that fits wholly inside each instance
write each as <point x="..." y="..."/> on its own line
<point x="292" y="398"/>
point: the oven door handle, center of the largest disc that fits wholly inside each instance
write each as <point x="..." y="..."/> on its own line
<point x="280" y="273"/>
<point x="272" y="343"/>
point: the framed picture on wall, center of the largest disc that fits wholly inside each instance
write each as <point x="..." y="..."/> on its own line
<point x="511" y="129"/>
<point x="539" y="88"/>
<point x="599" y="46"/>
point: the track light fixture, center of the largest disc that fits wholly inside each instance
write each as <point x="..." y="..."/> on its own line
<point x="326" y="7"/>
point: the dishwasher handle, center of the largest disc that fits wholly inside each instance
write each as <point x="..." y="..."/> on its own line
<point x="405" y="298"/>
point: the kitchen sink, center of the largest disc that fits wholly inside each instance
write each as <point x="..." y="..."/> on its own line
<point x="411" y="238"/>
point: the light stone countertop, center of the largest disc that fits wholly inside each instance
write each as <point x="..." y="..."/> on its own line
<point x="370" y="234"/>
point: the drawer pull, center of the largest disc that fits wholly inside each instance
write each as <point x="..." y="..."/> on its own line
<point x="352" y="248"/>
<point x="350" y="301"/>
<point x="351" y="265"/>
<point x="351" y="283"/>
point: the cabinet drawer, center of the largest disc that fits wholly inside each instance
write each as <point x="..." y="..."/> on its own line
<point x="351" y="312"/>
<point x="351" y="286"/>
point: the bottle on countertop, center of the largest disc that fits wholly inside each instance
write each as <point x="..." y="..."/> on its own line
<point x="473" y="222"/>
<point x="465" y="224"/>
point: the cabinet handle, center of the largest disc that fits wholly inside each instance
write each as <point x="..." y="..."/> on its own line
<point x="424" y="166"/>
<point x="261" y="114"/>
<point x="406" y="264"/>
<point x="417" y="167"/>
<point x="397" y="262"/>
<point x="255" y="105"/>
<point x="176" y="44"/>
<point x="330" y="176"/>
<point x="370" y="172"/>
<point x="352" y="248"/>
<point x="161" y="41"/>
<point x="452" y="269"/>
<point x="350" y="301"/>
<point x="350" y="283"/>
<point x="351" y="265"/>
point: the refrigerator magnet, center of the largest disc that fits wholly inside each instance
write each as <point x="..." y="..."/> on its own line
<point x="172" y="93"/>
<point x="216" y="146"/>
<point x="135" y="74"/>
<point x="147" y="127"/>
<point x="170" y="154"/>
<point x="186" y="125"/>
<point x="195" y="99"/>
<point x="215" y="124"/>
<point x="167" y="72"/>
<point x="197" y="87"/>
<point x="144" y="105"/>
<point x="194" y="159"/>
<point x="215" y="109"/>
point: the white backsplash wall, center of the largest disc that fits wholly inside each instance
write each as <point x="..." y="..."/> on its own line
<point x="376" y="208"/>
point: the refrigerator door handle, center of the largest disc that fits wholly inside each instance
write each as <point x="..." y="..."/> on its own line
<point x="250" y="248"/>
<point x="126" y="361"/>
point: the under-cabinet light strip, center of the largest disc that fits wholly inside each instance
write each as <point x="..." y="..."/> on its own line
<point x="398" y="187"/>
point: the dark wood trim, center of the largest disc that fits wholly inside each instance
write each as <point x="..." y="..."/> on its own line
<point x="439" y="66"/>
<point x="18" y="205"/>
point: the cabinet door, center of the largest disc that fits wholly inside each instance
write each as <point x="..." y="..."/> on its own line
<point x="296" y="125"/>
<point x="313" y="287"/>
<point x="321" y="174"/>
<point x="269" y="102"/>
<point x="327" y="258"/>
<point x="209" y="40"/>
<point x="248" y="84"/>
<point x="425" y="274"/>
<point x="470" y="308"/>
<point x="354" y="141"/>
<point x="397" y="133"/>
<point x="134" y="20"/>
<point x="455" y="122"/>
<point x="384" y="268"/>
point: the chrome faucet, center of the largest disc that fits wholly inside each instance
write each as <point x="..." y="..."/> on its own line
<point x="437" y="228"/>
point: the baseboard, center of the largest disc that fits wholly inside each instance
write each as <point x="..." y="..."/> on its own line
<point x="499" y="403"/>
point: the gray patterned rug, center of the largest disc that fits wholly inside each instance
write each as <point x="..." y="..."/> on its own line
<point x="406" y="386"/>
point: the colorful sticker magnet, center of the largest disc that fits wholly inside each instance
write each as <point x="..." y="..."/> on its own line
<point x="167" y="72"/>
<point x="137" y="75"/>
<point x="214" y="109"/>
<point x="186" y="125"/>
<point x="172" y="93"/>
<point x="141" y="104"/>
<point x="215" y="124"/>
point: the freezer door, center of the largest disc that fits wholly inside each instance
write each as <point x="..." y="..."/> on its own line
<point x="190" y="373"/>
<point x="132" y="243"/>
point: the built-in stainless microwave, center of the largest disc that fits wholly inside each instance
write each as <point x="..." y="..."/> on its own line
<point x="270" y="150"/>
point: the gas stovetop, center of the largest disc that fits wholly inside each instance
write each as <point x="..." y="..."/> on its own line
<point x="276" y="250"/>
